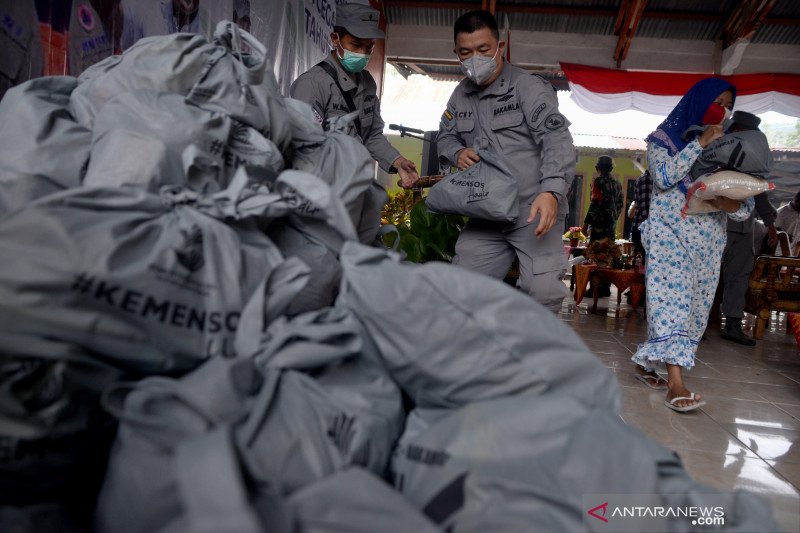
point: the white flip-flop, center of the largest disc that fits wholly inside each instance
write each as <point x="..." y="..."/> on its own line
<point x="696" y="405"/>
<point x="651" y="381"/>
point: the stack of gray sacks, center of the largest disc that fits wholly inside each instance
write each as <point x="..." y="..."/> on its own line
<point x="199" y="333"/>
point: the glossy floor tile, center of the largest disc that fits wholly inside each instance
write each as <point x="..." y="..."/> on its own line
<point x="747" y="436"/>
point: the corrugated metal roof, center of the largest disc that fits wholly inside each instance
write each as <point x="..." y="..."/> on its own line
<point x="598" y="24"/>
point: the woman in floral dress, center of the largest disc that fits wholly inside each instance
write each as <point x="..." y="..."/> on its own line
<point x="683" y="253"/>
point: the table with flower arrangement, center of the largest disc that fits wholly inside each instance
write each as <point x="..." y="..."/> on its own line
<point x="622" y="279"/>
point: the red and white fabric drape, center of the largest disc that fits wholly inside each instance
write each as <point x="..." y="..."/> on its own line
<point x="601" y="90"/>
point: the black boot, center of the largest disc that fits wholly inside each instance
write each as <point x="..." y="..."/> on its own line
<point x="733" y="332"/>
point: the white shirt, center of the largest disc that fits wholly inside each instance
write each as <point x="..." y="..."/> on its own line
<point x="788" y="220"/>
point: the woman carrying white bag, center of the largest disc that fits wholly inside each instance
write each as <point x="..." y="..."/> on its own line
<point x="684" y="251"/>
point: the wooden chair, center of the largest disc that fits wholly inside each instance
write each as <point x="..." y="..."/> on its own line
<point x="774" y="286"/>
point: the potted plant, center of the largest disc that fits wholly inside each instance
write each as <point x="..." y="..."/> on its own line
<point x="575" y="235"/>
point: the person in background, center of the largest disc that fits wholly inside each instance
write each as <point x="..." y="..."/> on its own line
<point x="788" y="220"/>
<point x="737" y="260"/>
<point x="684" y="253"/>
<point x="607" y="202"/>
<point x="604" y="210"/>
<point x="146" y="18"/>
<point x="504" y="109"/>
<point x="340" y="85"/>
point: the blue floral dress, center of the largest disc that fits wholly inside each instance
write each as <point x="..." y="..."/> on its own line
<point x="683" y="262"/>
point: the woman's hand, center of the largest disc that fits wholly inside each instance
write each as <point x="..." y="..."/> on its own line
<point x="725" y="204"/>
<point x="710" y="134"/>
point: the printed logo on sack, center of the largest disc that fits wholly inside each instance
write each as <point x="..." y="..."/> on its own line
<point x="644" y="513"/>
<point x="85" y="17"/>
<point x="190" y="255"/>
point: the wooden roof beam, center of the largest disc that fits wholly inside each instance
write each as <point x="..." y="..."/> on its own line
<point x="745" y="20"/>
<point x="628" y="18"/>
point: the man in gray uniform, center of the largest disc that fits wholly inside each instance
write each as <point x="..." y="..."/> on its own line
<point x="506" y="110"/>
<point x="339" y="85"/>
<point x="737" y="260"/>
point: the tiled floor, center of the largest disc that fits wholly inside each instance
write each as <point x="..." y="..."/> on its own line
<point x="748" y="434"/>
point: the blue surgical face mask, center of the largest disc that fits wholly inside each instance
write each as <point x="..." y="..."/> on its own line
<point x="351" y="61"/>
<point x="479" y="68"/>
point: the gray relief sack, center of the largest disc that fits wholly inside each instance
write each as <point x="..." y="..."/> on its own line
<point x="42" y="148"/>
<point x="145" y="486"/>
<point x="341" y="161"/>
<point x="140" y="138"/>
<point x="743" y="151"/>
<point x="152" y="282"/>
<point x="485" y="191"/>
<point x="482" y="339"/>
<point x="217" y="76"/>
<point x="504" y="464"/>
<point x="355" y="501"/>
<point x="331" y="405"/>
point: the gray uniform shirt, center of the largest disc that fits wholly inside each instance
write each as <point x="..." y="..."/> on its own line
<point x="517" y="118"/>
<point x="319" y="90"/>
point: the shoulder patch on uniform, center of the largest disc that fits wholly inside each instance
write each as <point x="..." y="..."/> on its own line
<point x="447" y="115"/>
<point x="554" y="121"/>
<point x="538" y="111"/>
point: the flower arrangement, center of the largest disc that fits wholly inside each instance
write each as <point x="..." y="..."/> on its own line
<point x="603" y="252"/>
<point x="575" y="232"/>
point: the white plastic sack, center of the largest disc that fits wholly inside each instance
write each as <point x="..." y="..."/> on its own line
<point x="140" y="138"/>
<point x="725" y="183"/>
<point x="450" y="337"/>
<point x="485" y="190"/>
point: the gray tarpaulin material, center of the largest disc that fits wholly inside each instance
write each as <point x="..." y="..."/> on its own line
<point x="42" y="148"/>
<point x="355" y="501"/>
<point x="482" y="339"/>
<point x="745" y="151"/>
<point x="150" y="283"/>
<point x="505" y="464"/>
<point x="217" y="76"/>
<point x="486" y="191"/>
<point x="140" y="137"/>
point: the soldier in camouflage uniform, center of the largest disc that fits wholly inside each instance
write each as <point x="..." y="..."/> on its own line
<point x="607" y="202"/>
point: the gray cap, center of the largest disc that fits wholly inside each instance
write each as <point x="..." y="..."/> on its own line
<point x="359" y="20"/>
<point x="605" y="161"/>
<point x="745" y="120"/>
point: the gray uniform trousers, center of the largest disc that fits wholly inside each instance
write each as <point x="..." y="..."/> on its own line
<point x="737" y="259"/>
<point x="737" y="264"/>
<point x="485" y="248"/>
